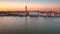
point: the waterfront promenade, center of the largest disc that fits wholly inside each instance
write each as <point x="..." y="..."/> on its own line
<point x="30" y="13"/>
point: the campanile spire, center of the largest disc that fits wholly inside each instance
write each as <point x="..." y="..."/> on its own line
<point x="27" y="13"/>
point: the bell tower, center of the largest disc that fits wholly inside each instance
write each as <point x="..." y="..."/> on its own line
<point x="27" y="13"/>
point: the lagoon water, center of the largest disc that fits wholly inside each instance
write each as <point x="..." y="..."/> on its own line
<point x="29" y="25"/>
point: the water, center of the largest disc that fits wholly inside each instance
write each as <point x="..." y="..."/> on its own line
<point x="29" y="25"/>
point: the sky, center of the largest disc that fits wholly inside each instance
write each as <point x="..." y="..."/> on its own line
<point x="42" y="5"/>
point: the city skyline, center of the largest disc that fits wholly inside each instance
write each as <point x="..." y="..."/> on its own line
<point x="14" y="5"/>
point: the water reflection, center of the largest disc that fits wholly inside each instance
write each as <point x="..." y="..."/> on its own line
<point x="29" y="25"/>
